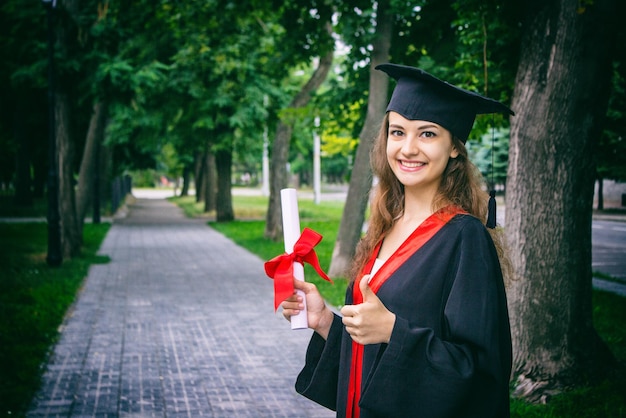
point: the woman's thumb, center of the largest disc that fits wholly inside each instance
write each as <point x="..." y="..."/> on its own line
<point x="365" y="288"/>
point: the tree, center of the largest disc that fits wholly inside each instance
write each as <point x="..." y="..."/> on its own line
<point x="280" y="148"/>
<point x="561" y="93"/>
<point x="361" y="177"/>
<point x="88" y="174"/>
<point x="453" y="39"/>
<point x="23" y="104"/>
<point x="611" y="149"/>
<point x="491" y="155"/>
<point x="68" y="46"/>
<point x="89" y="36"/>
<point x="307" y="35"/>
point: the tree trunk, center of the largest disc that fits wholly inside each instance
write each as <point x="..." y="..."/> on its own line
<point x="105" y="165"/>
<point x="88" y="174"/>
<point x="184" y="191"/>
<point x="210" y="182"/>
<point x="198" y="174"/>
<point x="361" y="179"/>
<point x="224" y="204"/>
<point x="561" y="95"/>
<point x="71" y="234"/>
<point x="600" y="193"/>
<point x="280" y="149"/>
<point x="278" y="181"/>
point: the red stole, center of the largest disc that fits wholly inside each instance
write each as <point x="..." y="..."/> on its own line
<point x="424" y="232"/>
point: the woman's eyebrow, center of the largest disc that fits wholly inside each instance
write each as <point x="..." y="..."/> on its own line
<point x="429" y="126"/>
<point x="420" y="127"/>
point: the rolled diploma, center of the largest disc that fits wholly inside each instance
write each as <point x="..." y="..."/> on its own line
<point x="291" y="233"/>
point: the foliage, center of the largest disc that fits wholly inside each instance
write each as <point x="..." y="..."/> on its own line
<point x="205" y="81"/>
<point x="611" y="151"/>
<point x="22" y="83"/>
<point x="491" y="154"/>
<point x="33" y="302"/>
<point x="338" y="147"/>
<point x="611" y="148"/>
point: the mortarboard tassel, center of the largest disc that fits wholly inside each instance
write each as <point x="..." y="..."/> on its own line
<point x="491" y="208"/>
<point x="491" y="214"/>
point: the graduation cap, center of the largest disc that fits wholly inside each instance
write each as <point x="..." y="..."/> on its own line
<point x="421" y="96"/>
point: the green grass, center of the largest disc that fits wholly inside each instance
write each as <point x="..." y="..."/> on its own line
<point x="606" y="277"/>
<point x="606" y="400"/>
<point x="609" y="317"/>
<point x="323" y="218"/>
<point x="248" y="207"/>
<point x="249" y="234"/>
<point x="9" y="209"/>
<point x="255" y="208"/>
<point x="33" y="301"/>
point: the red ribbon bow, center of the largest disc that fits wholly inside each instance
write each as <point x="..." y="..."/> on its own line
<point x="280" y="268"/>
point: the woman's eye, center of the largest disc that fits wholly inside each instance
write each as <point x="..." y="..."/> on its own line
<point x="429" y="134"/>
<point x="396" y="132"/>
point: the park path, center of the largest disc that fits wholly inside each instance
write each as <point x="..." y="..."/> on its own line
<point x="180" y="323"/>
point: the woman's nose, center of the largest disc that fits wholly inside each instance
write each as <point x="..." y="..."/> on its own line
<point x="410" y="146"/>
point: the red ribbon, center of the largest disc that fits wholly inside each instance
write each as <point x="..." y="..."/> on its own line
<point x="280" y="268"/>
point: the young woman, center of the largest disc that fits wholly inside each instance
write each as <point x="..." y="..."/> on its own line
<point x="425" y="329"/>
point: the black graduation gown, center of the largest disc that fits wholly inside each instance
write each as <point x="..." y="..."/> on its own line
<point x="449" y="354"/>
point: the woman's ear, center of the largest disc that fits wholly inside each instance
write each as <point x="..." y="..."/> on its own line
<point x="454" y="153"/>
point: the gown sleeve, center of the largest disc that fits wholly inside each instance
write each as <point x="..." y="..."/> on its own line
<point x="461" y="370"/>
<point x="318" y="378"/>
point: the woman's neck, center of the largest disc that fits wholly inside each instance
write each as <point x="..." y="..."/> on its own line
<point x="418" y="205"/>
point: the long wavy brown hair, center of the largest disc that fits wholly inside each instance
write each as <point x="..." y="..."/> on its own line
<point x="461" y="185"/>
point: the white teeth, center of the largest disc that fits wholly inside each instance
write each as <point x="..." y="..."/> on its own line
<point x="411" y="165"/>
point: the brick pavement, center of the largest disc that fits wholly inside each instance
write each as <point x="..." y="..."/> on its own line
<point x="180" y="323"/>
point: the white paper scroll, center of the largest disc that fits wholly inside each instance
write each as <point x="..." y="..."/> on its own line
<point x="291" y="233"/>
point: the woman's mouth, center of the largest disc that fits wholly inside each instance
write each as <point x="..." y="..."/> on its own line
<point x="411" y="164"/>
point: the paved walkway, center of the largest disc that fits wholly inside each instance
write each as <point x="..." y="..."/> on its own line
<point x="180" y="323"/>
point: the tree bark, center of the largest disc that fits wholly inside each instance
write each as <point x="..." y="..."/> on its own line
<point x="278" y="180"/>
<point x="71" y="234"/>
<point x="199" y="163"/>
<point x="361" y="179"/>
<point x="87" y="175"/>
<point x="224" y="204"/>
<point x="600" y="194"/>
<point x="105" y="168"/>
<point x="184" y="191"/>
<point x="560" y="98"/>
<point x="210" y="181"/>
<point x="280" y="149"/>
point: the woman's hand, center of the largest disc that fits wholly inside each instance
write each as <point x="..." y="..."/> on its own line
<point x="319" y="316"/>
<point x="369" y="322"/>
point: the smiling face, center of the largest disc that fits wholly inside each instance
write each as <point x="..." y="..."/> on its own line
<point x="418" y="152"/>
